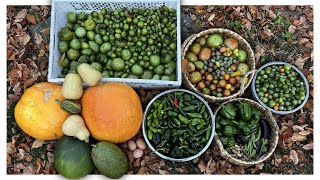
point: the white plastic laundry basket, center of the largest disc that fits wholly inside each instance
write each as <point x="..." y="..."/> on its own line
<point x="58" y="19"/>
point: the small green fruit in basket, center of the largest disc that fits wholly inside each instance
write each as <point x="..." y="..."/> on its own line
<point x="214" y="40"/>
<point x="242" y="55"/>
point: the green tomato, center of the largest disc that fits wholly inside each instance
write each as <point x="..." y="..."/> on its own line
<point x="271" y="103"/>
<point x="117" y="64"/>
<point x="243" y="68"/>
<point x="105" y="74"/>
<point x="65" y="34"/>
<point x="125" y="54"/>
<point x="173" y="77"/>
<point x="132" y="76"/>
<point x="90" y="24"/>
<point x="287" y="67"/>
<point x="214" y="40"/>
<point x="94" y="46"/>
<point x="71" y="17"/>
<point x="63" y="46"/>
<point x="84" y="45"/>
<point x="156" y="77"/>
<point x="82" y="16"/>
<point x="159" y="69"/>
<point x="75" y="44"/>
<point x="167" y="58"/>
<point x="73" y="54"/>
<point x="165" y="78"/>
<point x="81" y="32"/>
<point x="136" y="70"/>
<point x="96" y="66"/>
<point x="147" y="74"/>
<point x="155" y="60"/>
<point x="91" y="35"/>
<point x="242" y="55"/>
<point x="105" y="47"/>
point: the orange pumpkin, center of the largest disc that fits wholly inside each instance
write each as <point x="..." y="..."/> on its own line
<point x="38" y="113"/>
<point x="112" y="112"/>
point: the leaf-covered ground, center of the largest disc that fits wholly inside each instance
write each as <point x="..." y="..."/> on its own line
<point x="276" y="33"/>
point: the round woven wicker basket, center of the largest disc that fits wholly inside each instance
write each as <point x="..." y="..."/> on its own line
<point x="226" y="34"/>
<point x="273" y="139"/>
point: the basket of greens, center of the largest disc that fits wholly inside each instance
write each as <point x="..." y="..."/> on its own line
<point x="246" y="132"/>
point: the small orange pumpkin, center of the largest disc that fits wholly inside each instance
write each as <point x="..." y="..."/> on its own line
<point x="38" y="113"/>
<point x="112" y="112"/>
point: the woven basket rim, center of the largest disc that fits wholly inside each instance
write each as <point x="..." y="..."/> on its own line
<point x="241" y="40"/>
<point x="272" y="146"/>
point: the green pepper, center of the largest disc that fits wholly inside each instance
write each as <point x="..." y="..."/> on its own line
<point x="189" y="108"/>
<point x="194" y="115"/>
<point x="150" y="134"/>
<point x="197" y="121"/>
<point x="228" y="111"/>
<point x="172" y="113"/>
<point x="228" y="141"/>
<point x="228" y="131"/>
<point x="256" y="113"/>
<point x="241" y="124"/>
<point x="176" y="121"/>
<point x="246" y="130"/>
<point x="183" y="119"/>
<point x="226" y="122"/>
<point x="218" y="126"/>
<point x="245" y="110"/>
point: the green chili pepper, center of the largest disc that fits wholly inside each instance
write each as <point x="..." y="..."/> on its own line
<point x="194" y="102"/>
<point x="208" y="132"/>
<point x="194" y="115"/>
<point x="228" y="111"/>
<point x="153" y="129"/>
<point x="203" y="108"/>
<point x="150" y="134"/>
<point x="196" y="121"/>
<point x="149" y="116"/>
<point x="183" y="119"/>
<point x="176" y="121"/>
<point x="172" y="113"/>
<point x="189" y="108"/>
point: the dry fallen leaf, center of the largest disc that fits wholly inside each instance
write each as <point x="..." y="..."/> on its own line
<point x="294" y="157"/>
<point x="21" y="15"/>
<point x="202" y="166"/>
<point x="38" y="38"/>
<point x="300" y="61"/>
<point x="162" y="172"/>
<point x="308" y="146"/>
<point x="297" y="128"/>
<point x="25" y="39"/>
<point x="30" y="18"/>
<point x="298" y="137"/>
<point x="37" y="143"/>
<point x="211" y="17"/>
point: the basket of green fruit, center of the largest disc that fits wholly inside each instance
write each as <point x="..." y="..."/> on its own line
<point x="133" y="42"/>
<point x="280" y="87"/>
<point x="178" y="125"/>
<point x="218" y="64"/>
<point x="246" y="132"/>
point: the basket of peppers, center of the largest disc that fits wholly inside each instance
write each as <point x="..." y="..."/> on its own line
<point x="246" y="132"/>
